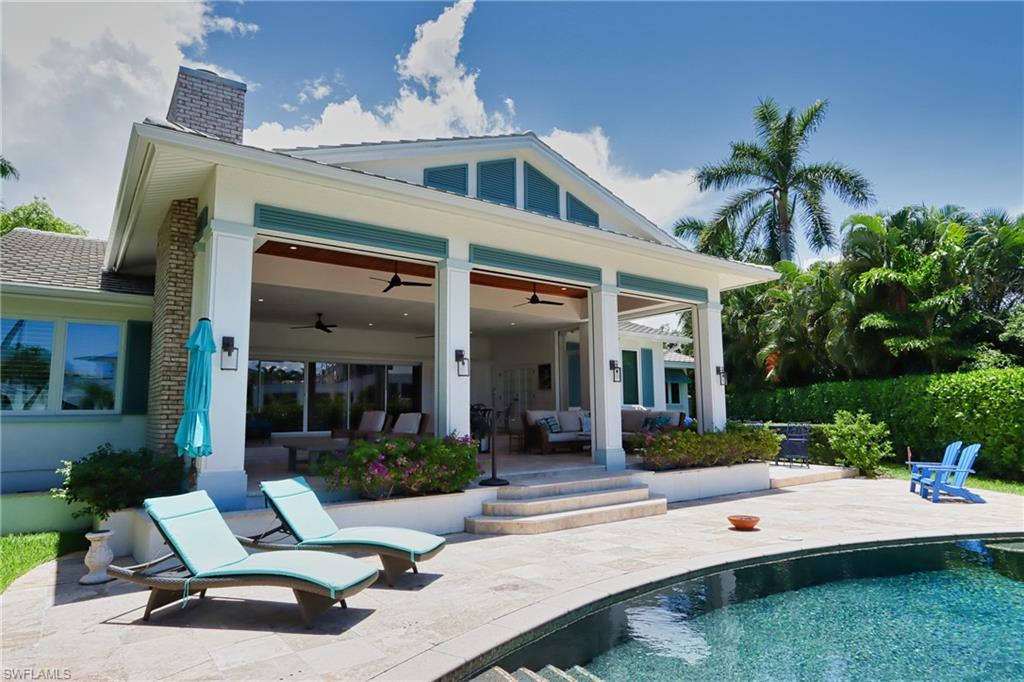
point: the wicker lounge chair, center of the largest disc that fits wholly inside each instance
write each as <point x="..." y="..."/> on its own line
<point x="211" y="556"/>
<point x="302" y="517"/>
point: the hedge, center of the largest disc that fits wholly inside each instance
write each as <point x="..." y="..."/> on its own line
<point x="924" y="412"/>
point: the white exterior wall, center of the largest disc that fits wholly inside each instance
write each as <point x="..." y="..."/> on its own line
<point x="33" y="445"/>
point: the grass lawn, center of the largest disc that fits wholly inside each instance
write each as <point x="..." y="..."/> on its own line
<point x="21" y="553"/>
<point x="893" y="470"/>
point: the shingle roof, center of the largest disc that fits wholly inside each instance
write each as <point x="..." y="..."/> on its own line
<point x="637" y="328"/>
<point x="678" y="357"/>
<point x="62" y="260"/>
<point x="379" y="143"/>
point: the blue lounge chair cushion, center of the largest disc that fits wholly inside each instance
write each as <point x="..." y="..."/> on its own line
<point x="196" y="531"/>
<point x="299" y="508"/>
<point x="331" y="571"/>
<point x="401" y="539"/>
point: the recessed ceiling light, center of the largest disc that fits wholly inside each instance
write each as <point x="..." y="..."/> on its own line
<point x="293" y="248"/>
<point x="369" y="324"/>
<point x="512" y="324"/>
<point x="405" y="314"/>
<point x="565" y="288"/>
<point x="259" y="300"/>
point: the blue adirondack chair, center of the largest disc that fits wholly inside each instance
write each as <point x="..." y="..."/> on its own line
<point x="950" y="480"/>
<point x="948" y="459"/>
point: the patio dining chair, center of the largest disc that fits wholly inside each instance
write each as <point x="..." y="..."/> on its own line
<point x="302" y="516"/>
<point x="211" y="557"/>
<point x="372" y="423"/>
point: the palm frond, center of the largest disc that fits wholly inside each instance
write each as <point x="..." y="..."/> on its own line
<point x="848" y="184"/>
<point x="726" y="175"/>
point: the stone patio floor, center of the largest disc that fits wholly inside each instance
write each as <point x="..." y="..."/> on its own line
<point x="480" y="592"/>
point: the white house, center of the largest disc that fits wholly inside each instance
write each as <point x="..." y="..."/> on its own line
<point x="265" y="243"/>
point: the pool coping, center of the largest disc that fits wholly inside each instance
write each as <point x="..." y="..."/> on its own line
<point x="474" y="651"/>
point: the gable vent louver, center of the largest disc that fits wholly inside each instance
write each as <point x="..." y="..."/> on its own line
<point x="541" y="192"/>
<point x="449" y="178"/>
<point x="496" y="181"/>
<point x="578" y="212"/>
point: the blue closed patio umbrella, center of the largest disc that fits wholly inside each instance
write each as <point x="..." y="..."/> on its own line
<point x="193" y="434"/>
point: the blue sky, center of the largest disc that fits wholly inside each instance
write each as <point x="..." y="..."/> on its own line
<point x="927" y="99"/>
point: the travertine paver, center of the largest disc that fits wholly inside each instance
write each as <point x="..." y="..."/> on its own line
<point x="478" y="593"/>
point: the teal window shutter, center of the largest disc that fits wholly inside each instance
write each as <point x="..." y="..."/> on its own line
<point x="449" y="178"/>
<point x="135" y="396"/>
<point x="572" y="354"/>
<point x="647" y="376"/>
<point x="630" y="394"/>
<point x="496" y="181"/>
<point x="578" y="212"/>
<point x="541" y="192"/>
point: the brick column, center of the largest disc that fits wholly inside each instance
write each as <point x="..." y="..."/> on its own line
<point x="172" y="307"/>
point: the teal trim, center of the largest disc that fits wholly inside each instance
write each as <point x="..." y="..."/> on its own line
<point x="496" y="181"/>
<point x="541" y="192"/>
<point x="647" y="376"/>
<point x="538" y="265"/>
<point x="135" y="390"/>
<point x="630" y="387"/>
<point x="336" y="229"/>
<point x="449" y="178"/>
<point x="660" y="287"/>
<point x="675" y="375"/>
<point x="578" y="212"/>
<point x="572" y="353"/>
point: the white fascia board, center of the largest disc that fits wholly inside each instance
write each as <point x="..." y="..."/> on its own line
<point x="135" y="173"/>
<point x="260" y="160"/>
<point x="70" y="294"/>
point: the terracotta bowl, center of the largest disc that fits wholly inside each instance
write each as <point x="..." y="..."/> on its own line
<point x="742" y="522"/>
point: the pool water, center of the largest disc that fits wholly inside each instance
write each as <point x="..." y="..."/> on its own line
<point x="951" y="611"/>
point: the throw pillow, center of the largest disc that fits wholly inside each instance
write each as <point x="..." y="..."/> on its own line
<point x="550" y="424"/>
<point x="586" y="425"/>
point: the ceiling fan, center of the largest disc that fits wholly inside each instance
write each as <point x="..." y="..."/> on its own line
<point x="319" y="324"/>
<point x="536" y="300"/>
<point x="397" y="281"/>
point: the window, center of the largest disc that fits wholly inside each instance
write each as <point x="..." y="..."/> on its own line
<point x="578" y="212"/>
<point x="541" y="192"/>
<point x="25" y="364"/>
<point x="672" y="393"/>
<point x="328" y="404"/>
<point x="277" y="392"/>
<point x="630" y="379"/>
<point x="91" y="354"/>
<point x="449" y="178"/>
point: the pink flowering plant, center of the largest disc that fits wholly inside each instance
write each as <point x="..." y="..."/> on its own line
<point x="390" y="467"/>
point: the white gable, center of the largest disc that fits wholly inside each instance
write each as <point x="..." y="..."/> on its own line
<point x="410" y="161"/>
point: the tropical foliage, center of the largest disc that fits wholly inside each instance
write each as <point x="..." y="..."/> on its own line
<point x="779" y="190"/>
<point x="924" y="412"/>
<point x="36" y="215"/>
<point x="685" y="448"/>
<point x="858" y="441"/>
<point x="918" y="290"/>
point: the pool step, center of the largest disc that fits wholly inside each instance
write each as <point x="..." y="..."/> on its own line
<point x="548" y="673"/>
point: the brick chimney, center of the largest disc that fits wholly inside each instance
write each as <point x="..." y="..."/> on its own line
<point x="208" y="103"/>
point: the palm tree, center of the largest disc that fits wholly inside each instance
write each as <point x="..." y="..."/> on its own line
<point x="7" y="170"/>
<point x="718" y="238"/>
<point x="781" y="189"/>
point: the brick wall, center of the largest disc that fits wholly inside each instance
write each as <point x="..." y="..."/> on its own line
<point x="209" y="103"/>
<point x="172" y="311"/>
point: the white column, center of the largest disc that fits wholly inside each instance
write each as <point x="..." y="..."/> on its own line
<point x="224" y="297"/>
<point x="606" y="395"/>
<point x="451" y="332"/>
<point x="709" y="357"/>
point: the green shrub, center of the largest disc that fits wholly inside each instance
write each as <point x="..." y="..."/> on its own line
<point x="923" y="412"/>
<point x="383" y="468"/>
<point x="858" y="441"/>
<point x="106" y="480"/>
<point x="685" y="448"/>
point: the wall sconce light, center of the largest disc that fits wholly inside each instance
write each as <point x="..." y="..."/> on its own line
<point x="723" y="376"/>
<point x="616" y="369"/>
<point x="228" y="353"/>
<point x="462" y="363"/>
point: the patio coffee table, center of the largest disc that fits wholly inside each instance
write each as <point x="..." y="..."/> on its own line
<point x="311" y="446"/>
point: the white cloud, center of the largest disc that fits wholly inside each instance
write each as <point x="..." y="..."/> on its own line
<point x="75" y="79"/>
<point x="229" y="25"/>
<point x="314" y="90"/>
<point x="289" y="107"/>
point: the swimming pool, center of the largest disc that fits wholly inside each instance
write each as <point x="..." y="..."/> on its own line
<point x="936" y="611"/>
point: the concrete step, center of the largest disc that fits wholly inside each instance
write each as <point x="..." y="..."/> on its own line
<point x="788" y="476"/>
<point x="553" y="674"/>
<point x="527" y="487"/>
<point x="527" y="675"/>
<point x="581" y="674"/>
<point x="545" y="523"/>
<point x="533" y="506"/>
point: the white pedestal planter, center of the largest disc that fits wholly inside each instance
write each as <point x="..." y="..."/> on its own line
<point x="98" y="558"/>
